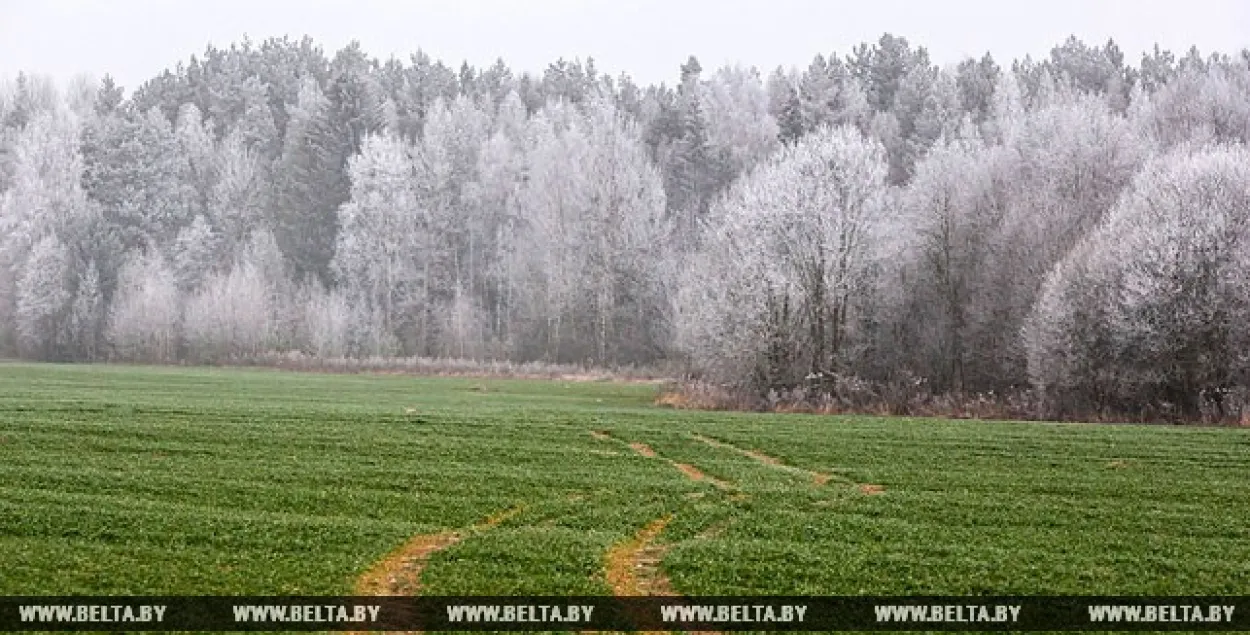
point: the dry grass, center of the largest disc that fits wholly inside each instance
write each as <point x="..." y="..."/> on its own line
<point x="451" y="367"/>
<point x="910" y="398"/>
<point x="701" y="396"/>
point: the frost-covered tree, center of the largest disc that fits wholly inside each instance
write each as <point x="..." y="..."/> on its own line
<point x="383" y="230"/>
<point x="46" y="194"/>
<point x="739" y="126"/>
<point x="1067" y="337"/>
<point x="43" y="300"/>
<point x="976" y="81"/>
<point x="80" y="95"/>
<point x="237" y="201"/>
<point x="463" y="326"/>
<point x="500" y="169"/>
<point x="1061" y="171"/>
<point x="927" y="108"/>
<point x="194" y="254"/>
<point x="195" y="141"/>
<point x="554" y="197"/>
<point x="25" y="98"/>
<point x="592" y="234"/>
<point x="447" y="163"/>
<point x="85" y="329"/>
<point x="261" y="251"/>
<point x="948" y="219"/>
<point x="305" y="188"/>
<point x="144" y="317"/>
<point x="781" y="286"/>
<point x="46" y="199"/>
<point x="1201" y="106"/>
<point x="136" y="170"/>
<point x="621" y="238"/>
<point x="229" y="317"/>
<point x="1091" y="69"/>
<point x="1151" y="311"/>
<point x="327" y="322"/>
<point x="832" y="96"/>
<point x="882" y="66"/>
<point x="689" y="164"/>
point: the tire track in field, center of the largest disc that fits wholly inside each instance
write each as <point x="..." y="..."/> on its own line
<point x="399" y="573"/>
<point x="632" y="566"/>
<point x="691" y="472"/>
<point x="817" y="477"/>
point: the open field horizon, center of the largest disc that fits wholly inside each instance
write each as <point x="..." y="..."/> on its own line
<point x="200" y="481"/>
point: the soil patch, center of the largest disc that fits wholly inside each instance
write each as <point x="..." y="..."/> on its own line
<point x="399" y="573"/>
<point x="691" y="472"/>
<point x="819" y="478"/>
<point x="695" y="474"/>
<point x="643" y="449"/>
<point x="763" y="458"/>
<point x="633" y="566"/>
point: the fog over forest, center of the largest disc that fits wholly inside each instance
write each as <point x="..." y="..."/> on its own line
<point x="1075" y="227"/>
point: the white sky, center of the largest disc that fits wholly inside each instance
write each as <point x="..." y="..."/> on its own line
<point x="136" y="39"/>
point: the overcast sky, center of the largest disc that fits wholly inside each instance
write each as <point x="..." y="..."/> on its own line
<point x="649" y="39"/>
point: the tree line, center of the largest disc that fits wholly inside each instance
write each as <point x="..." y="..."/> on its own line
<point x="1077" y="225"/>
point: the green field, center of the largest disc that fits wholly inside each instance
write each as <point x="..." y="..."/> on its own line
<point x="129" y="480"/>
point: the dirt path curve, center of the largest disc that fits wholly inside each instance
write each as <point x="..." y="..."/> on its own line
<point x="818" y="478"/>
<point x="399" y="573"/>
<point x="632" y="566"/>
<point x="691" y="472"/>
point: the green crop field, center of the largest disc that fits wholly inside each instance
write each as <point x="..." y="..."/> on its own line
<point x="132" y="480"/>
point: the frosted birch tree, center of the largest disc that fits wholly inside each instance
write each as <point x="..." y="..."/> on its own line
<point x="144" y="318"/>
<point x="47" y="206"/>
<point x="554" y="197"/>
<point x="380" y="242"/>
<point x="947" y="222"/>
<point x="622" y="238"/>
<point x="791" y="262"/>
<point x="43" y="300"/>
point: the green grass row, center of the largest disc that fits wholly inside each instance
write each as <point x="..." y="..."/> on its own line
<point x="134" y="480"/>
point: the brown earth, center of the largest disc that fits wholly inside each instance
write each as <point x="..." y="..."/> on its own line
<point x="691" y="472"/>
<point x="819" y="478"/>
<point x="643" y="449"/>
<point x="695" y="474"/>
<point x="632" y="567"/>
<point x="399" y="572"/>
